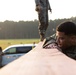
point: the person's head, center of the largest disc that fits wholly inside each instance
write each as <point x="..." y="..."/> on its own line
<point x="66" y="34"/>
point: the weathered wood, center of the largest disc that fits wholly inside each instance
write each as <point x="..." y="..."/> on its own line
<point x="41" y="62"/>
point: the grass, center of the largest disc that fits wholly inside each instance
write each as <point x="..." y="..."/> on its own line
<point x="7" y="42"/>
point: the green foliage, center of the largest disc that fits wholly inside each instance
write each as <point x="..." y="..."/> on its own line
<point x="27" y="29"/>
<point x="7" y="42"/>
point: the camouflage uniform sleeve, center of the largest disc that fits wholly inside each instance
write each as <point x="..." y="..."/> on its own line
<point x="70" y="52"/>
<point x="75" y="53"/>
<point x="49" y="7"/>
<point x="48" y="40"/>
<point x="71" y="55"/>
<point x="37" y="2"/>
<point x="50" y="43"/>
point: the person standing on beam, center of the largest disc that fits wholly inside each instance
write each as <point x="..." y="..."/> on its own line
<point x="42" y="7"/>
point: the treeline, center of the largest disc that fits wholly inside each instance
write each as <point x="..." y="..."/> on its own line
<point x="27" y="29"/>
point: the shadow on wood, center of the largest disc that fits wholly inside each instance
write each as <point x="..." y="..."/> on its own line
<point x="41" y="62"/>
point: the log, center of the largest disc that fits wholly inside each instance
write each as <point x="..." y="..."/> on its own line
<point x="41" y="61"/>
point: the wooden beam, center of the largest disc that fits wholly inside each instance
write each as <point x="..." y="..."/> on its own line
<point x="41" y="61"/>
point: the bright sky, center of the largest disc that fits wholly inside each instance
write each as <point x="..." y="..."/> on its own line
<point x="16" y="10"/>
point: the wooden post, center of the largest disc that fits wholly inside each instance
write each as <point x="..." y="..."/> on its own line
<point x="41" y="61"/>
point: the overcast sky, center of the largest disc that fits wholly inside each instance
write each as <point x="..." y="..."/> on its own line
<point x="17" y="10"/>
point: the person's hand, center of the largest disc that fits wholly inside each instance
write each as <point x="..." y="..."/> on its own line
<point x="38" y="8"/>
<point x="51" y="10"/>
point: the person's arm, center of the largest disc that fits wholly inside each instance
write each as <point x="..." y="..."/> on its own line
<point x="50" y="43"/>
<point x="49" y="7"/>
<point x="37" y="2"/>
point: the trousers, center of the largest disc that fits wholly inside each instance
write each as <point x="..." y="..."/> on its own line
<point x="43" y="20"/>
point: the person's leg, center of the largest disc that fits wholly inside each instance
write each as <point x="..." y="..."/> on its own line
<point x="43" y="24"/>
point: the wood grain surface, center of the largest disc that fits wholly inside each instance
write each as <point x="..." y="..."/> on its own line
<point x="41" y="61"/>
